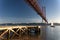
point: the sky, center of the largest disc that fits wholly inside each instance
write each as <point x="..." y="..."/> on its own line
<point x="18" y="11"/>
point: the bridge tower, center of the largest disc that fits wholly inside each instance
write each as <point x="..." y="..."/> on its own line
<point x="44" y="10"/>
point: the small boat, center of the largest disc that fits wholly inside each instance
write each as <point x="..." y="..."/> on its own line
<point x="52" y="24"/>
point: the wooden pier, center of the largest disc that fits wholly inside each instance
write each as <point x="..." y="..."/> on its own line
<point x="19" y="32"/>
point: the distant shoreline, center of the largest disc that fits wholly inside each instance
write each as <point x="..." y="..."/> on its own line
<point x="15" y="24"/>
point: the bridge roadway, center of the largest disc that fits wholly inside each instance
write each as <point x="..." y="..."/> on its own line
<point x="4" y="30"/>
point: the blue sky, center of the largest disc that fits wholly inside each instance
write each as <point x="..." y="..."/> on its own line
<point x="18" y="11"/>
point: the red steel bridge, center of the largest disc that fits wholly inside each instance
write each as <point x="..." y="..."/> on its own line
<point x="36" y="7"/>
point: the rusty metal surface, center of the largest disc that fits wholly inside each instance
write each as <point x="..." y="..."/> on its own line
<point x="36" y="7"/>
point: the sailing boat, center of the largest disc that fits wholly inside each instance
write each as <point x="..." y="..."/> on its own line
<point x="52" y="24"/>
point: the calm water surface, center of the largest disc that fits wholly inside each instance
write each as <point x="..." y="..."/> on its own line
<point x="53" y="33"/>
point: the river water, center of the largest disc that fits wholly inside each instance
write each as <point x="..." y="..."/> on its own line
<point x="53" y="33"/>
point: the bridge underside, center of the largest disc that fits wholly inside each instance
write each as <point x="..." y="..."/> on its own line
<point x="36" y="7"/>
